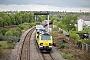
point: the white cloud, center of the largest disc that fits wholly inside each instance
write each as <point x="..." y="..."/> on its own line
<point x="34" y="7"/>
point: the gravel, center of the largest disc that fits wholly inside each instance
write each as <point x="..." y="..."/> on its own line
<point x="6" y="56"/>
<point x="34" y="54"/>
<point x="56" y="54"/>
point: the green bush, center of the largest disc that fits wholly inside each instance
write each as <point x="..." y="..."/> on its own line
<point x="74" y="36"/>
<point x="38" y="23"/>
<point x="32" y="24"/>
<point x="5" y="45"/>
<point x="10" y="40"/>
<point x="11" y="46"/>
<point x="24" y="26"/>
<point x="87" y="41"/>
<point x="67" y="56"/>
<point x="3" y="31"/>
<point x="18" y="29"/>
<point x="21" y="26"/>
<point x="62" y="46"/>
<point x="9" y="33"/>
<point x="16" y="33"/>
<point x="80" y="32"/>
<point x="1" y="34"/>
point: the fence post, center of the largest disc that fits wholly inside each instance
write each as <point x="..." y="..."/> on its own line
<point x="79" y="44"/>
<point x="89" y="48"/>
<point x="82" y="46"/>
<point x="86" y="47"/>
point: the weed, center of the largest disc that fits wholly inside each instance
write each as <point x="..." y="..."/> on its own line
<point x="10" y="40"/>
<point x="67" y="56"/>
<point x="1" y="51"/>
<point x="62" y="46"/>
<point x="5" y="45"/>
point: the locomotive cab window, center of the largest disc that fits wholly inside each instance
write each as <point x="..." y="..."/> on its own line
<point x="45" y="38"/>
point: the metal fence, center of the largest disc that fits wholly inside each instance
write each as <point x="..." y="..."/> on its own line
<point x="81" y="45"/>
<point x="5" y="38"/>
<point x="84" y="46"/>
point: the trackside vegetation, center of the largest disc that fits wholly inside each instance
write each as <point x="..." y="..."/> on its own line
<point x="70" y="51"/>
<point x="10" y="42"/>
<point x="22" y="20"/>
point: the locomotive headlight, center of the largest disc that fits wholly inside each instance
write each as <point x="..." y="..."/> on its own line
<point x="50" y="44"/>
<point x="41" y="44"/>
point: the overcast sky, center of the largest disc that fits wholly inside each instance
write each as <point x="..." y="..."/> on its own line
<point x="45" y="5"/>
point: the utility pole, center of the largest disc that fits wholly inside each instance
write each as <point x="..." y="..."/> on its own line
<point x="48" y="23"/>
<point x="80" y="11"/>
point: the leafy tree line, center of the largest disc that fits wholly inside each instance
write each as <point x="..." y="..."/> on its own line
<point x="16" y="31"/>
<point x="16" y="19"/>
<point x="67" y="23"/>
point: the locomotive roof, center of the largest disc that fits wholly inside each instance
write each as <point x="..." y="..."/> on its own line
<point x="39" y="27"/>
<point x="45" y="34"/>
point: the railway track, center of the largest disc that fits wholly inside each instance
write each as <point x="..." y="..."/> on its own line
<point x="25" y="49"/>
<point x="44" y="55"/>
<point x="28" y="49"/>
<point x="47" y="56"/>
<point x="26" y="53"/>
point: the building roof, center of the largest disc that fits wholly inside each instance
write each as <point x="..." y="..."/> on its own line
<point x="84" y="17"/>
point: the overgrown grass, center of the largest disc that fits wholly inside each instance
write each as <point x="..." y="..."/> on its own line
<point x="57" y="37"/>
<point x="6" y="45"/>
<point x="70" y="51"/>
<point x="74" y="36"/>
<point x="63" y="46"/>
<point x="87" y="41"/>
<point x="67" y="56"/>
<point x="1" y="50"/>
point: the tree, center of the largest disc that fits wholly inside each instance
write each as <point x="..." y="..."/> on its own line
<point x="3" y="31"/>
<point x="12" y="17"/>
<point x="7" y="20"/>
<point x="18" y="19"/>
<point x="1" y="22"/>
<point x="31" y="17"/>
<point x="61" y="25"/>
<point x="9" y="33"/>
<point x="41" y="18"/>
<point x="69" y="19"/>
<point x="53" y="18"/>
<point x="86" y="29"/>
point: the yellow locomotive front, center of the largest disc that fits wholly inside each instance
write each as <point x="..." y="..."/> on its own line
<point x="45" y="42"/>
